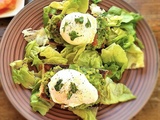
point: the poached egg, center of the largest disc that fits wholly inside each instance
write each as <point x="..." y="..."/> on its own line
<point x="71" y="88"/>
<point x="78" y="28"/>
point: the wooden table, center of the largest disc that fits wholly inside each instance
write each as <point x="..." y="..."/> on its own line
<point x="150" y="9"/>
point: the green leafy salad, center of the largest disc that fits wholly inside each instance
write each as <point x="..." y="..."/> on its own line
<point x="78" y="57"/>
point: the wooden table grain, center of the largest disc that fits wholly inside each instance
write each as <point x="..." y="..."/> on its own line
<point x="150" y="10"/>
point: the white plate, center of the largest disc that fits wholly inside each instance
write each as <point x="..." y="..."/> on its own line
<point x="19" y="6"/>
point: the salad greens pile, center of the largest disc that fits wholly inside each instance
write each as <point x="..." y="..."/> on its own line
<point x="114" y="49"/>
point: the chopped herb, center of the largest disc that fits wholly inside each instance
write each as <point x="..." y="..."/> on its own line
<point x="88" y="24"/>
<point x="73" y="35"/>
<point x="64" y="28"/>
<point x="73" y="89"/>
<point x="69" y="95"/>
<point x="58" y="85"/>
<point x="79" y="20"/>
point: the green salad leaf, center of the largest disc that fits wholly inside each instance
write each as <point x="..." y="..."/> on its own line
<point x="126" y="32"/>
<point x="70" y="6"/>
<point x="114" y="55"/>
<point x="39" y="104"/>
<point x="116" y="93"/>
<point x="86" y="114"/>
<point x="22" y="75"/>
<point x="118" y="36"/>
<point x="32" y="50"/>
<point x="71" y="53"/>
<point x="126" y="15"/>
<point x="39" y="36"/>
<point x="51" y="56"/>
<point x="89" y="58"/>
<point x="117" y="26"/>
<point x="135" y="56"/>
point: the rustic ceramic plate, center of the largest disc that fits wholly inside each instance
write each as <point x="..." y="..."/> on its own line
<point x="140" y="81"/>
<point x="19" y="6"/>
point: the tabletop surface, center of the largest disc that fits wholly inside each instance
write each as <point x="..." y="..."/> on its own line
<point x="150" y="10"/>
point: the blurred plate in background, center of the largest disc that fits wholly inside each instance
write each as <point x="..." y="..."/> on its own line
<point x="13" y="12"/>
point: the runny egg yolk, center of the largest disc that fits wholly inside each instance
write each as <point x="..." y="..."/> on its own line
<point x="71" y="88"/>
<point x="78" y="28"/>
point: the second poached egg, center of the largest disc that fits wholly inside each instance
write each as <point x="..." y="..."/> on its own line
<point x="71" y="88"/>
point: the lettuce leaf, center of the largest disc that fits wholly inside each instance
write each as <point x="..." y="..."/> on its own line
<point x="114" y="54"/>
<point x="32" y="50"/>
<point x="115" y="10"/>
<point x="129" y="28"/>
<point x="135" y="57"/>
<point x="119" y="36"/>
<point x="71" y="53"/>
<point x="89" y="58"/>
<point x="39" y="36"/>
<point x="22" y="75"/>
<point x="86" y="114"/>
<point x="114" y="20"/>
<point x="116" y="92"/>
<point x="126" y="15"/>
<point x="119" y="25"/>
<point x="70" y="6"/>
<point x="52" y="56"/>
<point x="39" y="104"/>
